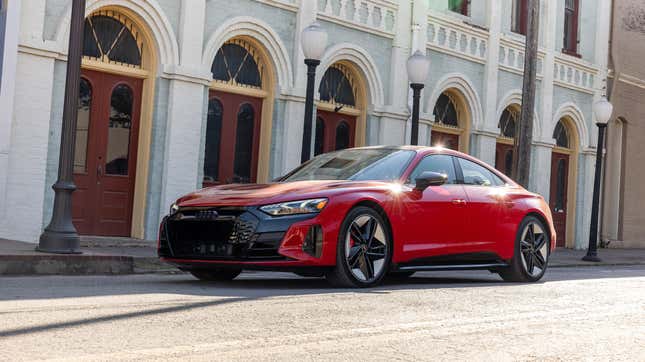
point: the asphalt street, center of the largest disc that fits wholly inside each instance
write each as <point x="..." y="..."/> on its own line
<point x="587" y="313"/>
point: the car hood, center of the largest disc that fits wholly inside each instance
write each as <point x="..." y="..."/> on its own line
<point x="262" y="194"/>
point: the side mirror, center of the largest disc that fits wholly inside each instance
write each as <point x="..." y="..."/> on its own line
<point x="429" y="178"/>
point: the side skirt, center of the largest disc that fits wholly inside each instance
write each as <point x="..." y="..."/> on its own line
<point x="468" y="261"/>
<point x="452" y="267"/>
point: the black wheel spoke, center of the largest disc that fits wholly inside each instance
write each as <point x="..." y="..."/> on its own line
<point x="531" y="234"/>
<point x="539" y="260"/>
<point x="366" y="266"/>
<point x="354" y="256"/>
<point x="370" y="230"/>
<point x="356" y="234"/>
<point x="540" y="241"/>
<point x="525" y="245"/>
<point x="529" y="263"/>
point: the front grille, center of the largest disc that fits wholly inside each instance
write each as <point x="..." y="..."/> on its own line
<point x="220" y="234"/>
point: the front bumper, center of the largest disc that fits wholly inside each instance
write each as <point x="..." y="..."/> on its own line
<point x="240" y="237"/>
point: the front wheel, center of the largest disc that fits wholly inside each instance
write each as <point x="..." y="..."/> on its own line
<point x="364" y="250"/>
<point x="532" y="250"/>
<point x="216" y="275"/>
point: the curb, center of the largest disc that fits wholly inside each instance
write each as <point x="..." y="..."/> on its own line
<point x="15" y="265"/>
<point x="592" y="265"/>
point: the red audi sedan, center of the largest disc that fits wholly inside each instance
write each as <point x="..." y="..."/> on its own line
<point x="357" y="215"/>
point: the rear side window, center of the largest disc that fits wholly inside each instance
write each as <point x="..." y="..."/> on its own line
<point x="478" y="175"/>
<point x="435" y="163"/>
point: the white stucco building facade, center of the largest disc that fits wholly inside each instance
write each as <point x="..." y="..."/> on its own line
<point x="180" y="79"/>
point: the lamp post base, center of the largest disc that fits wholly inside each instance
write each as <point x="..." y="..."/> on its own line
<point x="592" y="258"/>
<point x="57" y="242"/>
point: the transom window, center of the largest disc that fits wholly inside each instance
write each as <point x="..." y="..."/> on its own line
<point x="571" y="9"/>
<point x="507" y="122"/>
<point x="561" y="135"/>
<point x="336" y="86"/>
<point x="237" y="63"/>
<point x="460" y="6"/>
<point x="445" y="111"/>
<point x="110" y="37"/>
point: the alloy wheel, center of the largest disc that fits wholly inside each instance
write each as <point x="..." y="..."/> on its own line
<point x="366" y="248"/>
<point x="534" y="249"/>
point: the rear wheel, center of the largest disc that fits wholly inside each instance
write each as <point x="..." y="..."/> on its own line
<point x="216" y="275"/>
<point x="364" y="250"/>
<point x="532" y="250"/>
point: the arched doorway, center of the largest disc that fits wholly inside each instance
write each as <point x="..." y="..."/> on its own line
<point x="504" y="161"/>
<point x="114" y="70"/>
<point x="563" y="180"/>
<point x="338" y="110"/>
<point x="237" y="98"/>
<point x="449" y="129"/>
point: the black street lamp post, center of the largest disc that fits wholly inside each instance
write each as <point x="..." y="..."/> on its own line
<point x="313" y="42"/>
<point x="603" y="110"/>
<point x="60" y="235"/>
<point x="309" y="109"/>
<point x="418" y="67"/>
<point x="416" y="95"/>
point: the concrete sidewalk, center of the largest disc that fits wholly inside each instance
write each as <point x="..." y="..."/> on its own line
<point x="130" y="256"/>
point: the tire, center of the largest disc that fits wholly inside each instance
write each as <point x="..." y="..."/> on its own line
<point x="216" y="275"/>
<point x="532" y="252"/>
<point x="365" y="243"/>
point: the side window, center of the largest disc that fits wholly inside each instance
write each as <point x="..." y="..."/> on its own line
<point x="475" y="174"/>
<point x="435" y="163"/>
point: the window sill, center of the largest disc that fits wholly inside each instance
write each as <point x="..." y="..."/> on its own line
<point x="571" y="53"/>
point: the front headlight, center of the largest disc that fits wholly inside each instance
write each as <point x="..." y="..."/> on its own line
<point x="311" y="206"/>
<point x="173" y="208"/>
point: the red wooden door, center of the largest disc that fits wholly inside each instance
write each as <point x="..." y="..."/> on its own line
<point x="334" y="131"/>
<point x="558" y="195"/>
<point x="106" y="153"/>
<point x="445" y="140"/>
<point x="504" y="158"/>
<point x="232" y="138"/>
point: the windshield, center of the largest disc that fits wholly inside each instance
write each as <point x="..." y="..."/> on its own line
<point x="367" y="164"/>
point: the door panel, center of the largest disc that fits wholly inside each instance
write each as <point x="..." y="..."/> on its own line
<point x="334" y="131"/>
<point x="435" y="218"/>
<point x="504" y="158"/>
<point x="445" y="140"/>
<point x="558" y="195"/>
<point x="233" y="138"/>
<point x="103" y="203"/>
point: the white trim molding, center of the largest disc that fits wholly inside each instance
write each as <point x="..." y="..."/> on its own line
<point x="463" y="85"/>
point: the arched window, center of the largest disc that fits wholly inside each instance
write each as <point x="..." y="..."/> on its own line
<point x="82" y="126"/>
<point x="236" y="62"/>
<point x="561" y="135"/>
<point x="118" y="144"/>
<point x="336" y="86"/>
<point x="342" y="136"/>
<point x="445" y="111"/>
<point x="243" y="144"/>
<point x="508" y="121"/>
<point x="213" y="139"/>
<point x="110" y="37"/>
<point x="319" y="145"/>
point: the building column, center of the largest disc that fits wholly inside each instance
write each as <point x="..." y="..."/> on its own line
<point x="584" y="198"/>
<point x="483" y="139"/>
<point x="185" y="113"/>
<point x="9" y="52"/>
<point x="549" y="14"/>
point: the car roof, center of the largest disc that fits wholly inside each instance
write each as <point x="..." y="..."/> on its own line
<point x="427" y="150"/>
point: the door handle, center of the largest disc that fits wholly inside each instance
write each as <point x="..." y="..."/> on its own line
<point x="459" y="202"/>
<point x="99" y="171"/>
